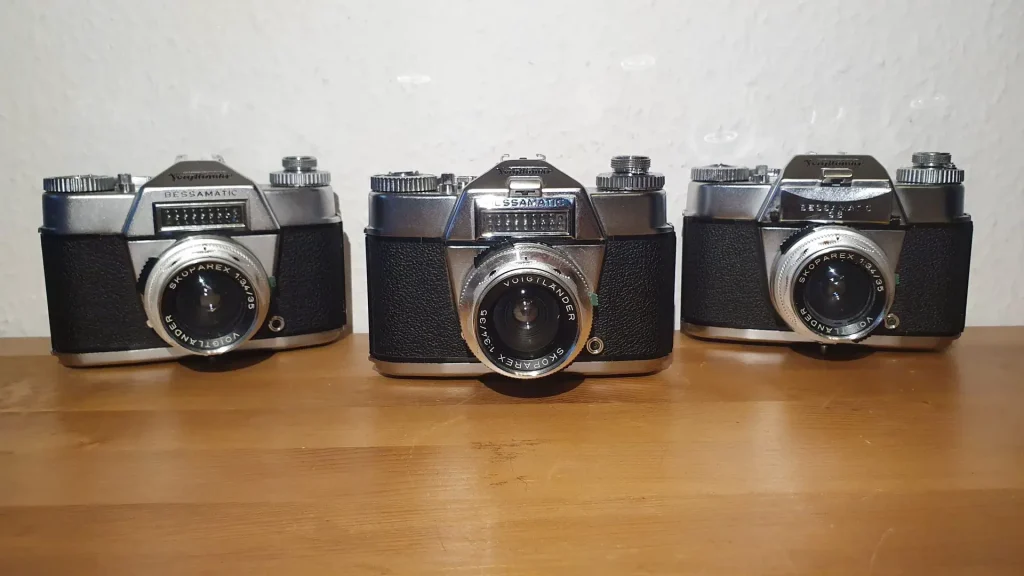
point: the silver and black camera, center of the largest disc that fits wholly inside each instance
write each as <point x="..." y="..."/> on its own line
<point x="828" y="251"/>
<point x="521" y="271"/>
<point x="198" y="260"/>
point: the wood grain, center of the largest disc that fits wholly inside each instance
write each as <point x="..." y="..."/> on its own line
<point x="736" y="460"/>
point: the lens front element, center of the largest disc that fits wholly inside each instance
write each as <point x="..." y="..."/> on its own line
<point x="528" y="321"/>
<point x="833" y="284"/>
<point x="840" y="293"/>
<point x="208" y="305"/>
<point x="525" y="311"/>
<point x="207" y="295"/>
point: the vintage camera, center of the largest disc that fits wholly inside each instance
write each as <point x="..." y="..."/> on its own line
<point x="198" y="260"/>
<point x="521" y="271"/>
<point x="829" y="251"/>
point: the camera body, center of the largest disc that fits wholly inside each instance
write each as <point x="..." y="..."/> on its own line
<point x="520" y="271"/>
<point x="197" y="260"/>
<point x="827" y="251"/>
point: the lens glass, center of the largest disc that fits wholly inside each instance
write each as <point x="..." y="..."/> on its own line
<point x="528" y="323"/>
<point x="839" y="292"/>
<point x="208" y="305"/>
<point x="526" y="320"/>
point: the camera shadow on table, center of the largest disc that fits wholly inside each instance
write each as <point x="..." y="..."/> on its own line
<point x="237" y="360"/>
<point x="547" y="387"/>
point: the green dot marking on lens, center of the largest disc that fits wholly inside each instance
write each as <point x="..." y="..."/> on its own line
<point x="593" y="299"/>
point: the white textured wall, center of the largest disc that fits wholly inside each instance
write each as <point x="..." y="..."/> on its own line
<point x="372" y="85"/>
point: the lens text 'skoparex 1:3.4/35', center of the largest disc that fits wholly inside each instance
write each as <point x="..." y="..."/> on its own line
<point x="521" y="271"/>
<point x="198" y="260"/>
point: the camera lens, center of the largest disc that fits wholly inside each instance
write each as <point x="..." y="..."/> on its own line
<point x="527" y="320"/>
<point x="207" y="304"/>
<point x="832" y="284"/>
<point x="206" y="294"/>
<point x="528" y="323"/>
<point x="525" y="310"/>
<point x="838" y="293"/>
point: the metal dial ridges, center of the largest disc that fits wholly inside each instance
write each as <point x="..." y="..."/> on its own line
<point x="950" y="175"/>
<point x="80" y="183"/>
<point x="720" y="173"/>
<point x="292" y="163"/>
<point x="403" y="182"/>
<point x="300" y="179"/>
<point x="630" y="182"/>
<point x="631" y="164"/>
<point x="929" y="159"/>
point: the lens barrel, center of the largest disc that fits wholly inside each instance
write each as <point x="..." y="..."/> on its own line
<point x="207" y="295"/>
<point x="526" y="311"/>
<point x="832" y="284"/>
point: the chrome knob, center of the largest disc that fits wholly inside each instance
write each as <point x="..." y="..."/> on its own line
<point x="300" y="172"/>
<point x="79" y="184"/>
<point x="720" y="173"/>
<point x="630" y="174"/>
<point x="930" y="168"/>
<point x="404" y="182"/>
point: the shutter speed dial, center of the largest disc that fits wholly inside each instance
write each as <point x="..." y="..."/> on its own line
<point x="79" y="184"/>
<point x="300" y="172"/>
<point x="630" y="174"/>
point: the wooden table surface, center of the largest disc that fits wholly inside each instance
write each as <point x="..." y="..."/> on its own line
<point x="736" y="460"/>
